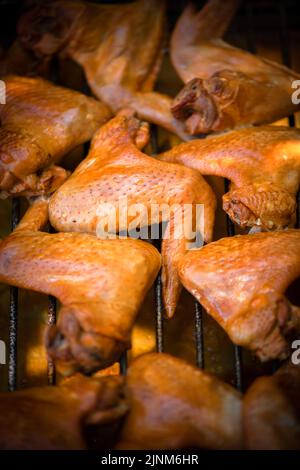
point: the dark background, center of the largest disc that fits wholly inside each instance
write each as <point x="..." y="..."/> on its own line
<point x="265" y="14"/>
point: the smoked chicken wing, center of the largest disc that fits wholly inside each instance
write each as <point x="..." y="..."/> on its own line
<point x="116" y="171"/>
<point x="226" y="87"/>
<point x="100" y="284"/>
<point x="174" y="405"/>
<point x="263" y="165"/>
<point x="271" y="411"/>
<point x="54" y="418"/>
<point x="241" y="282"/>
<point x="40" y="123"/>
<point x="118" y="46"/>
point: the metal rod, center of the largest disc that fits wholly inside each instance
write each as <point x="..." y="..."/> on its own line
<point x="238" y="359"/>
<point x="154" y="140"/>
<point x="13" y="313"/>
<point x="123" y="363"/>
<point x="51" y="321"/>
<point x="158" y="283"/>
<point x="238" y="367"/>
<point x="159" y="315"/>
<point x="298" y="210"/>
<point x="51" y="373"/>
<point x="230" y="224"/>
<point x="199" y="335"/>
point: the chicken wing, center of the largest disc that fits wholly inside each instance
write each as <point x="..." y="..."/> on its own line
<point x="119" y="48"/>
<point x="226" y="87"/>
<point x="241" y="281"/>
<point x="271" y="411"/>
<point x="115" y="169"/>
<point x="174" y="405"/>
<point x="40" y="123"/>
<point x="263" y="164"/>
<point x="56" y="418"/>
<point x="100" y="284"/>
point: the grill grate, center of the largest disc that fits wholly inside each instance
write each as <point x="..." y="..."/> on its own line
<point x="199" y="320"/>
<point x="13" y="314"/>
<point x="199" y="335"/>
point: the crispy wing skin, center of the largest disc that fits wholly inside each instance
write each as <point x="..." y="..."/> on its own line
<point x="174" y="405"/>
<point x="241" y="282"/>
<point x="40" y="123"/>
<point x="100" y="284"/>
<point x="118" y="46"/>
<point x="263" y="165"/>
<point x="271" y="411"/>
<point x="58" y="418"/>
<point x="116" y="171"/>
<point x="226" y="87"/>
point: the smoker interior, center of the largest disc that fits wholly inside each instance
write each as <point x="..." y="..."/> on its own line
<point x="266" y="27"/>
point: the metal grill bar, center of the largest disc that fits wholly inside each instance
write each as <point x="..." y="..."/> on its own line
<point x="159" y="315"/>
<point x="298" y="211"/>
<point x="51" y="321"/>
<point x="238" y="355"/>
<point x="13" y="313"/>
<point x="158" y="284"/>
<point x="199" y="335"/>
<point x="229" y="223"/>
<point x="123" y="363"/>
<point x="238" y="367"/>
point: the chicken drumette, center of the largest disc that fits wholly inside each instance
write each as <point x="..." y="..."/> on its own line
<point x="226" y="87"/>
<point x="40" y="123"/>
<point x="56" y="418"/>
<point x="271" y="411"/>
<point x="100" y="284"/>
<point x="263" y="165"/>
<point x="116" y="171"/>
<point x="241" y="282"/>
<point x="174" y="405"/>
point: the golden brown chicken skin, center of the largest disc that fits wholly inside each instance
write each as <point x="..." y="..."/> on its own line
<point x="271" y="411"/>
<point x="263" y="165"/>
<point x="115" y="168"/>
<point x="174" y="405"/>
<point x="100" y="284"/>
<point x="60" y="418"/>
<point x="226" y="87"/>
<point x="118" y="46"/>
<point x="241" y="282"/>
<point x="40" y="123"/>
